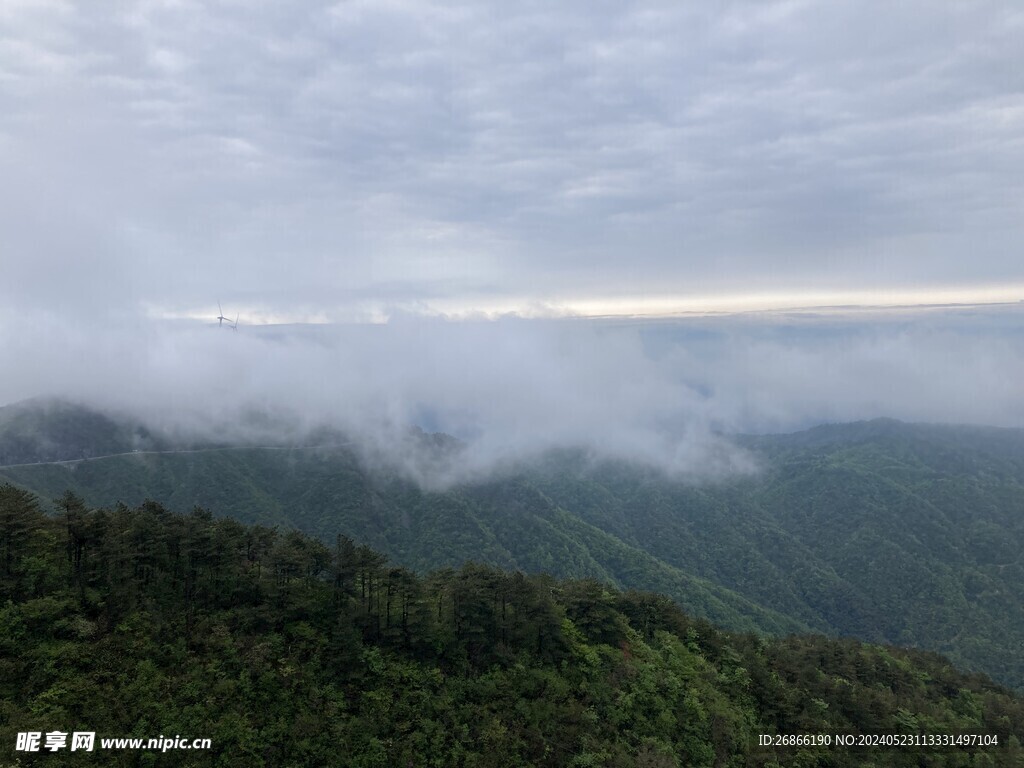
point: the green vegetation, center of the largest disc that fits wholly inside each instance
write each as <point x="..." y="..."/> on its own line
<point x="884" y="531"/>
<point x="509" y="523"/>
<point x="54" y="430"/>
<point x="288" y="652"/>
<point x="893" y="533"/>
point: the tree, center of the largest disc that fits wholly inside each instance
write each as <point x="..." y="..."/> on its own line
<point x="20" y="524"/>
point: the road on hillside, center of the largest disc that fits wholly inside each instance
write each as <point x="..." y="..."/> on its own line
<point x="180" y="450"/>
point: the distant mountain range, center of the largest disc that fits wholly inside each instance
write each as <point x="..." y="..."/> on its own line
<point x="888" y="532"/>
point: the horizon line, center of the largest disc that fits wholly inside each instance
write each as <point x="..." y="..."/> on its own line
<point x="665" y="307"/>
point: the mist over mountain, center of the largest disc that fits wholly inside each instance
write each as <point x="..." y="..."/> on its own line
<point x="334" y="334"/>
<point x="881" y="530"/>
<point x="657" y="392"/>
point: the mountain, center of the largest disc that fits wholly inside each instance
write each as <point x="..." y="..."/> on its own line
<point x="46" y="430"/>
<point x="327" y="491"/>
<point x="262" y="648"/>
<point x="888" y="532"/>
<point x="891" y="532"/>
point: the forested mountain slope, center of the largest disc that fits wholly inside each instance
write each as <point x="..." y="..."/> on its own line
<point x="46" y="430"/>
<point x="285" y="651"/>
<point x="508" y="523"/>
<point x="889" y="532"/>
<point x="885" y="531"/>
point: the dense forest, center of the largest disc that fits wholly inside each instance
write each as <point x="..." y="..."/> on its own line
<point x="888" y="532"/>
<point x="287" y="651"/>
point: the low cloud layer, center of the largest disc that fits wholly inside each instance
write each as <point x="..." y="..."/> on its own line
<point x="660" y="393"/>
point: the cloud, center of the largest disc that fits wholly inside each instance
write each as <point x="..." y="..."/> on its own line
<point x="665" y="394"/>
<point x="342" y="158"/>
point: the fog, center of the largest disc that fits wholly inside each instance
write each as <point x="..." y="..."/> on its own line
<point x="666" y="393"/>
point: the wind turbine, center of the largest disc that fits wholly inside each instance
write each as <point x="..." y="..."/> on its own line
<point x="235" y="326"/>
<point x="220" y="317"/>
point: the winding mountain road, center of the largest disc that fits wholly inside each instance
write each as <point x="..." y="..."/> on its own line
<point x="180" y="450"/>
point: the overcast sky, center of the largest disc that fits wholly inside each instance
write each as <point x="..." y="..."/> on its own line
<point x="337" y="160"/>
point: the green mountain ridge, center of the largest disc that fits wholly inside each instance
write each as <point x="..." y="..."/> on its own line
<point x="45" y="430"/>
<point x="280" y="650"/>
<point x="508" y="524"/>
<point x="884" y="531"/>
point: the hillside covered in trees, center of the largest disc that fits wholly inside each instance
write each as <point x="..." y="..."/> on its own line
<point x="888" y="532"/>
<point x="286" y="651"/>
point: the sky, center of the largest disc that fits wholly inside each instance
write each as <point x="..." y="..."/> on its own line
<point x="452" y="214"/>
<point x="335" y="161"/>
